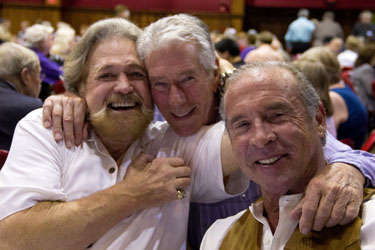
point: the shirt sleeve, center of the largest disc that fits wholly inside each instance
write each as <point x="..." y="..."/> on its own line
<point x="335" y="151"/>
<point x="208" y="184"/>
<point x="31" y="172"/>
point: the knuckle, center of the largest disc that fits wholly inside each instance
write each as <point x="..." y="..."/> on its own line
<point x="68" y="120"/>
<point x="336" y="217"/>
<point x="333" y="189"/>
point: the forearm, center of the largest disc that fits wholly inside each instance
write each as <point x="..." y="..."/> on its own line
<point x="67" y="225"/>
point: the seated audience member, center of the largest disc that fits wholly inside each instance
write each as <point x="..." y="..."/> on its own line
<point x="5" y="35"/>
<point x="90" y="195"/>
<point x="326" y="27"/>
<point x="264" y="52"/>
<point x="228" y="49"/>
<point x="63" y="43"/>
<point x="241" y="40"/>
<point x="19" y="88"/>
<point x="349" y="114"/>
<point x="183" y="75"/>
<point x="363" y="79"/>
<point x="364" y="28"/>
<point x="277" y="129"/>
<point x="333" y="43"/>
<point x="349" y="55"/>
<point x="39" y="38"/>
<point x="317" y="76"/>
<point x="122" y="11"/>
<point x="20" y="39"/>
<point x="251" y="41"/>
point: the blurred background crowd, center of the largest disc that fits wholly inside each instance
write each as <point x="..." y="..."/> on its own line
<point x="338" y="57"/>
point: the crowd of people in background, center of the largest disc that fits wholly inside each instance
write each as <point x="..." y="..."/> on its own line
<point x="239" y="48"/>
<point x="182" y="65"/>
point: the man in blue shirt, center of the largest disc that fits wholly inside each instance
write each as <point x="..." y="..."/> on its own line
<point x="298" y="36"/>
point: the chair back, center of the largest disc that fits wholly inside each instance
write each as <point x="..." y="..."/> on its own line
<point x="345" y="76"/>
<point x="369" y="144"/>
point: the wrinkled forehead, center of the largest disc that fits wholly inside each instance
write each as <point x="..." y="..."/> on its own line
<point x="258" y="79"/>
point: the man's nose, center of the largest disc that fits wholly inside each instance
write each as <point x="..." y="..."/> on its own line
<point x="123" y="85"/>
<point x="261" y="134"/>
<point x="176" y="96"/>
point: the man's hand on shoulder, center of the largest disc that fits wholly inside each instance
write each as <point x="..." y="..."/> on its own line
<point x="66" y="115"/>
<point x="332" y="197"/>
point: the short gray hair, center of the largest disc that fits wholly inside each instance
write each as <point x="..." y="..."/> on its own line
<point x="36" y="34"/>
<point x="75" y="66"/>
<point x="15" y="57"/>
<point x="183" y="28"/>
<point x="304" y="89"/>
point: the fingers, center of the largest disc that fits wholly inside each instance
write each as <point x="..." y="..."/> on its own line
<point x="52" y="116"/>
<point x="68" y="129"/>
<point x="296" y="213"/>
<point x="142" y="159"/>
<point x="57" y="127"/>
<point x="79" y="119"/>
<point x="309" y="207"/>
<point x="351" y="212"/>
<point x="325" y="209"/>
<point x="47" y="113"/>
<point x="333" y="197"/>
<point x="174" y="161"/>
<point x="346" y="208"/>
<point x="183" y="182"/>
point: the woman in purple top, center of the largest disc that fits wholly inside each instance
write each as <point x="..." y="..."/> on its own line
<point x="39" y="38"/>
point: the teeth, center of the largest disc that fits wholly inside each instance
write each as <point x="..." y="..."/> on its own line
<point x="122" y="105"/>
<point x="183" y="114"/>
<point x="269" y="161"/>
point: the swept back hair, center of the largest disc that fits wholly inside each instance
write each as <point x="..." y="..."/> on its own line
<point x="182" y="28"/>
<point x="303" y="88"/>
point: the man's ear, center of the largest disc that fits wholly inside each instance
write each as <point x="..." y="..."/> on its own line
<point x="216" y="76"/>
<point x="320" y="117"/>
<point x="25" y="74"/>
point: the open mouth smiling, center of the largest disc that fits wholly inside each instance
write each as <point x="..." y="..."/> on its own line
<point x="183" y="115"/>
<point x="271" y="160"/>
<point x="119" y="106"/>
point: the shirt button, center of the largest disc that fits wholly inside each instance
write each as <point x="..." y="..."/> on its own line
<point x="111" y="170"/>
